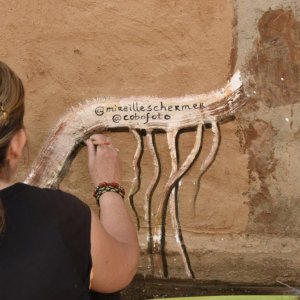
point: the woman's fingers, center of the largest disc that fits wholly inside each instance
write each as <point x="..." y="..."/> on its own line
<point x="101" y="142"/>
<point x="91" y="152"/>
<point x="96" y="140"/>
<point x="100" y="139"/>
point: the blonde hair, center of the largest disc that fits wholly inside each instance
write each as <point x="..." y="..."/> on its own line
<point x="11" y="116"/>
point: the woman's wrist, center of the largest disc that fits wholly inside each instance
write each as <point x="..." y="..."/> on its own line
<point x="108" y="187"/>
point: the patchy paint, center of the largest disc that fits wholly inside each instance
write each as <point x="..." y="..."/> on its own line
<point x="275" y="64"/>
<point x="260" y="148"/>
<point x="273" y="69"/>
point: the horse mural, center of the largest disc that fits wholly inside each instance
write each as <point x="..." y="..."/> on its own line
<point x="143" y="113"/>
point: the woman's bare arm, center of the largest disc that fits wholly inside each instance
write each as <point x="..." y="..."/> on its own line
<point x="114" y="244"/>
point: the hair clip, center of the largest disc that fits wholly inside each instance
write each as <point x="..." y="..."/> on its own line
<point x="3" y="111"/>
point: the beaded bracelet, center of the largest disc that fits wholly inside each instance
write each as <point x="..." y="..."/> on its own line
<point x="104" y="187"/>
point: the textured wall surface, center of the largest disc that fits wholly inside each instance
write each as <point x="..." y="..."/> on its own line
<point x="244" y="227"/>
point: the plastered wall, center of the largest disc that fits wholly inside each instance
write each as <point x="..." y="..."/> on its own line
<point x="244" y="226"/>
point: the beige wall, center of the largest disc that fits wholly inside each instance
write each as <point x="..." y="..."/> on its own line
<point x="245" y="226"/>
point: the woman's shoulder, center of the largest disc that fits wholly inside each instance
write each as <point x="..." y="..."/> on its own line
<point x="54" y="196"/>
<point x="52" y="201"/>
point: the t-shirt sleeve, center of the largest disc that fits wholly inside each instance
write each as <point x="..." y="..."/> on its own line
<point x="74" y="220"/>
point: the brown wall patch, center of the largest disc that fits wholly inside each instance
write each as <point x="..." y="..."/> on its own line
<point x="275" y="65"/>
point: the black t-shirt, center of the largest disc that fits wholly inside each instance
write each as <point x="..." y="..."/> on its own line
<point x="45" y="246"/>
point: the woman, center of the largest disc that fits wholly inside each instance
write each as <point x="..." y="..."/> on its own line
<point x="52" y="246"/>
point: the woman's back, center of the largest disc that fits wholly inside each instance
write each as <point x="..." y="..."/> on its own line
<point x="45" y="247"/>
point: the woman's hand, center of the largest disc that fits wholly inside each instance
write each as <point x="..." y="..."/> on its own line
<point x="103" y="160"/>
